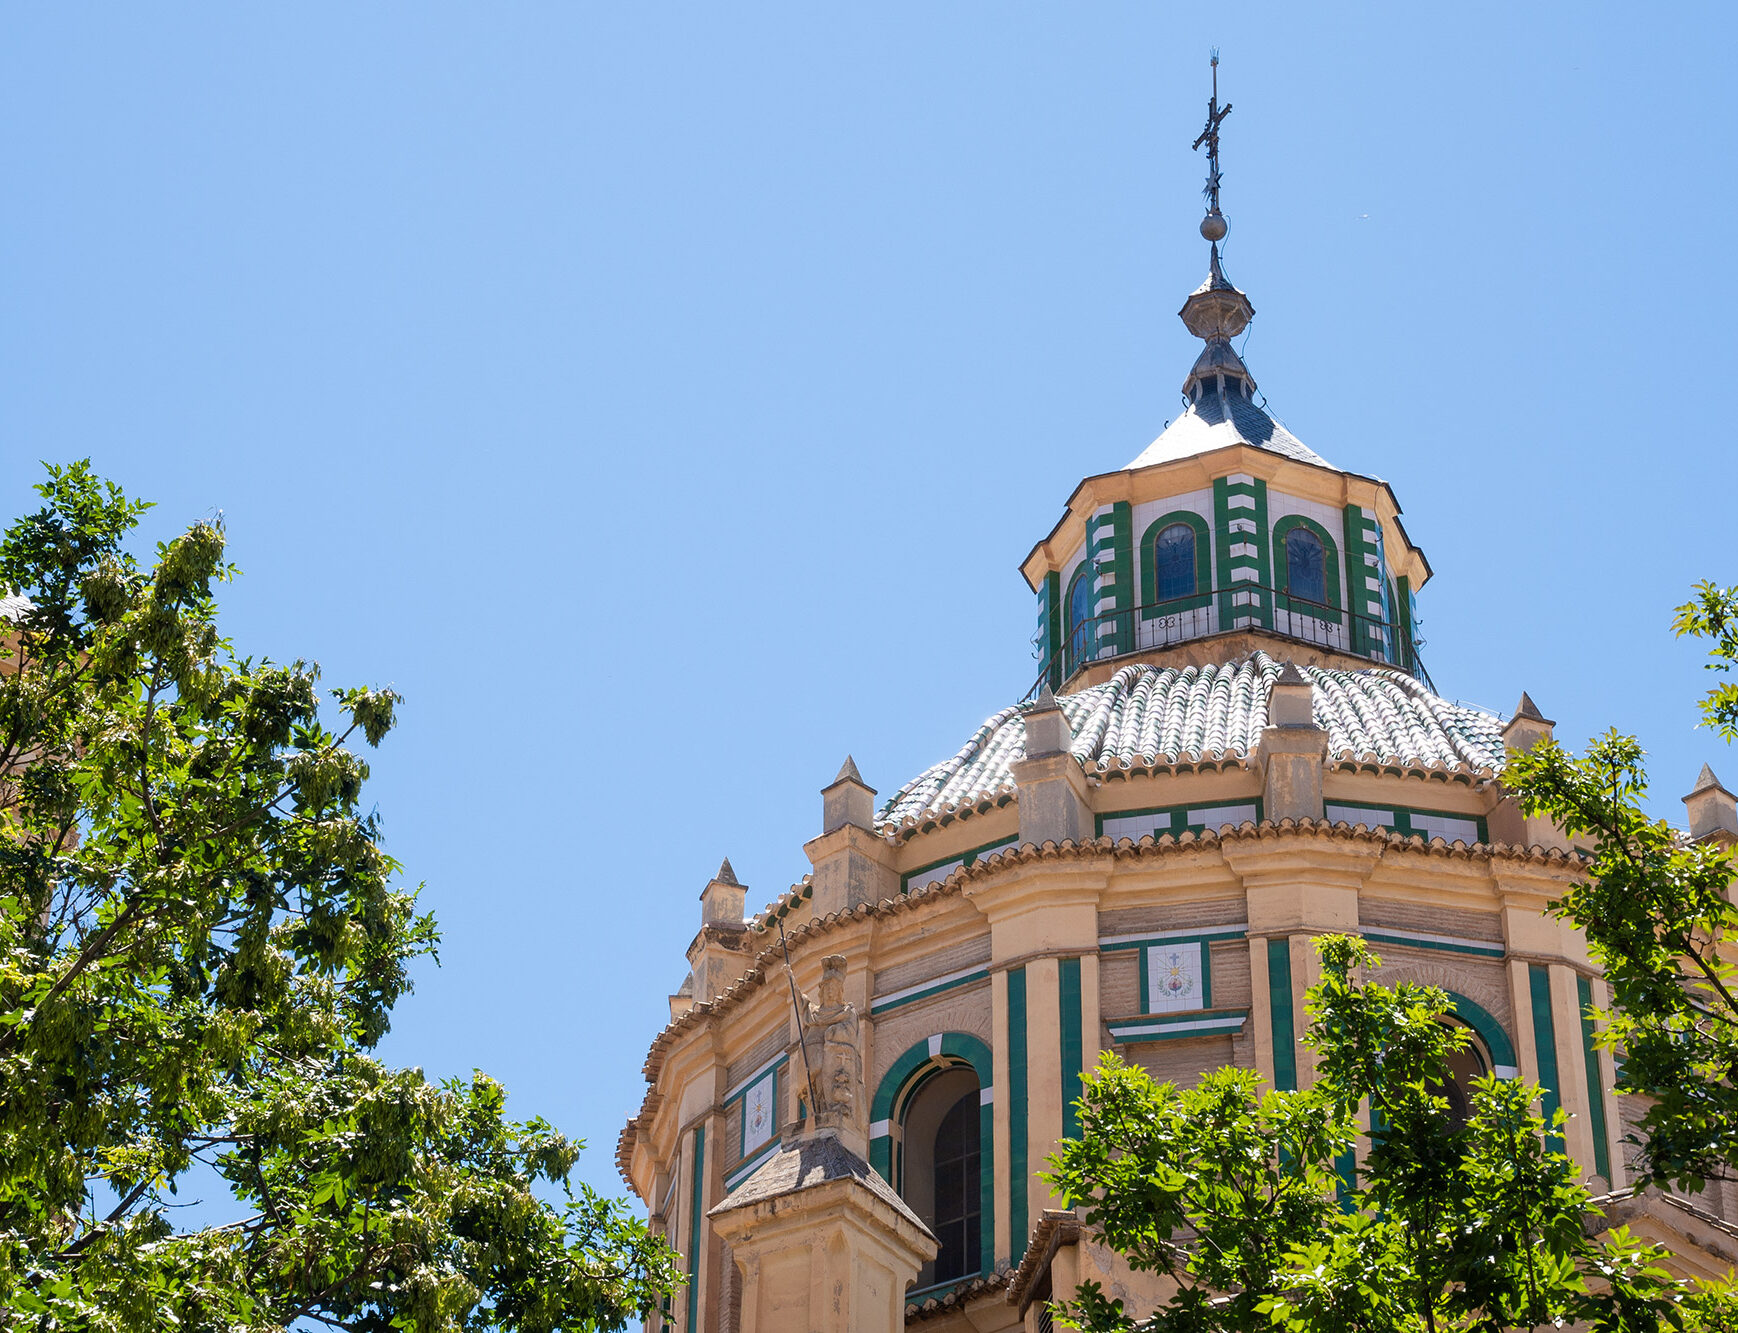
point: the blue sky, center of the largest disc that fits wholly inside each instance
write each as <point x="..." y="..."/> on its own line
<point x="662" y="396"/>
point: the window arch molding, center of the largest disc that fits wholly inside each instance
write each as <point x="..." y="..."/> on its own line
<point x="1330" y="608"/>
<point x="1150" y="609"/>
<point x="893" y="1095"/>
<point x="1489" y="1031"/>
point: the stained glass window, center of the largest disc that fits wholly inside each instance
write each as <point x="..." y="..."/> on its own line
<point x="1174" y="562"/>
<point x="1306" y="567"/>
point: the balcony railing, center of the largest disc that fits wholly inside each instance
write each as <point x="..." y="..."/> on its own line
<point x="1242" y="606"/>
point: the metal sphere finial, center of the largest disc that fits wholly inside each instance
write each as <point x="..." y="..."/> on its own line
<point x="1213" y="227"/>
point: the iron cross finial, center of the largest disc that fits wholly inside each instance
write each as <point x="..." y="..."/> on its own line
<point x="1210" y="137"/>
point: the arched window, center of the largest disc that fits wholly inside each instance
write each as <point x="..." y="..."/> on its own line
<point x="1176" y="571"/>
<point x="1080" y="625"/>
<point x="1306" y="566"/>
<point x="932" y="1137"/>
<point x="1464" y="1066"/>
<point x="1174" y="562"/>
<point x="942" y="1160"/>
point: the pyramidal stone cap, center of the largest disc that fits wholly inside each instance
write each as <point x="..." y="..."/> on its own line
<point x="847" y="799"/>
<point x="1291" y="701"/>
<point x="1706" y="781"/>
<point x="1047" y="729"/>
<point x="1528" y="726"/>
<point x="723" y="900"/>
<point x="1710" y="807"/>
<point x="1530" y="710"/>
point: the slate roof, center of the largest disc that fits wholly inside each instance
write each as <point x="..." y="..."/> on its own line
<point x="1146" y="714"/>
<point x="1215" y="421"/>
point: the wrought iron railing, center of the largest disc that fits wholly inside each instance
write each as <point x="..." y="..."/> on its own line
<point x="1241" y="606"/>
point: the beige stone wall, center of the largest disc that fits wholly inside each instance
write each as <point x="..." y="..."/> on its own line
<point x="1039" y="912"/>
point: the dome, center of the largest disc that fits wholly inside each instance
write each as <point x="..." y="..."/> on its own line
<point x="1146" y="714"/>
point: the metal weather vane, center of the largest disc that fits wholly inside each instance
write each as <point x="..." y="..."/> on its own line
<point x="1210" y="136"/>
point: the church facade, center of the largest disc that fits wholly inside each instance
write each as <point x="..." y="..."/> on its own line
<point x="1232" y="747"/>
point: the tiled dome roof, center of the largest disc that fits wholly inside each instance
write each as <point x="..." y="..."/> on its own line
<point x="1146" y="714"/>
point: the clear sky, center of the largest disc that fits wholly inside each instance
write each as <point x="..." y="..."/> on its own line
<point x="662" y="396"/>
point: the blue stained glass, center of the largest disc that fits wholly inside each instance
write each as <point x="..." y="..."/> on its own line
<point x="1079" y="616"/>
<point x="1174" y="561"/>
<point x="1306" y="566"/>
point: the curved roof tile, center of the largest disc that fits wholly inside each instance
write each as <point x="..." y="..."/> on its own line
<point x="1146" y="714"/>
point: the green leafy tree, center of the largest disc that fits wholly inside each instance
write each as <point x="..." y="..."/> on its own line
<point x="1241" y="1199"/>
<point x="1658" y="914"/>
<point x="200" y="944"/>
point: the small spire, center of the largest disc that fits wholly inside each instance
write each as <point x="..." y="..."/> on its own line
<point x="1213" y="226"/>
<point x="1527" y="727"/>
<point x="1290" y="675"/>
<point x="1216" y="311"/>
<point x="848" y="771"/>
<point x="725" y="874"/>
<point x="1045" y="700"/>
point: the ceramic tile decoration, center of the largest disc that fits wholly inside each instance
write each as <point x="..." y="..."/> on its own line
<point x="1174" y="977"/>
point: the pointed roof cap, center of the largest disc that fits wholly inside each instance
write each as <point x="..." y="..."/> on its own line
<point x="848" y="773"/>
<point x="726" y="875"/>
<point x="1290" y="675"/>
<point x="1705" y="781"/>
<point x="1528" y="709"/>
<point x="809" y="1162"/>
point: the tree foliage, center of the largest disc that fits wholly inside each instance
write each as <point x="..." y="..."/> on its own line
<point x="200" y="944"/>
<point x="1241" y="1197"/>
<point x="1658" y="914"/>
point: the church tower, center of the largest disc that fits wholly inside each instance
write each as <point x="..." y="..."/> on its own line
<point x="1231" y="748"/>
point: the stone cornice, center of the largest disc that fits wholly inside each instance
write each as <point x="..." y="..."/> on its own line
<point x="1249" y="836"/>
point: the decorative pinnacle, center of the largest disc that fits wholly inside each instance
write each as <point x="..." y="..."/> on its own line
<point x="1213" y="226"/>
<point x="726" y="874"/>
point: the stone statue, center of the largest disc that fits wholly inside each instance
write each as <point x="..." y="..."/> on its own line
<point x="830" y="1034"/>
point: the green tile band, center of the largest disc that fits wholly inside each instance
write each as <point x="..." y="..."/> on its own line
<point x="1243" y="570"/>
<point x="1050" y="627"/>
<point x="1545" y="1050"/>
<point x="1019" y="1170"/>
<point x="1279" y="1003"/>
<point x="1073" y="1048"/>
<point x="694" y="1226"/>
<point x="1595" y="1093"/>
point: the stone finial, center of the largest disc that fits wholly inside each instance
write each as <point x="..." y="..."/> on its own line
<point x="1291" y="701"/>
<point x="847" y="799"/>
<point x="723" y="899"/>
<point x="1713" y="810"/>
<point x="1527" y="727"/>
<point x="1047" y="729"/>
